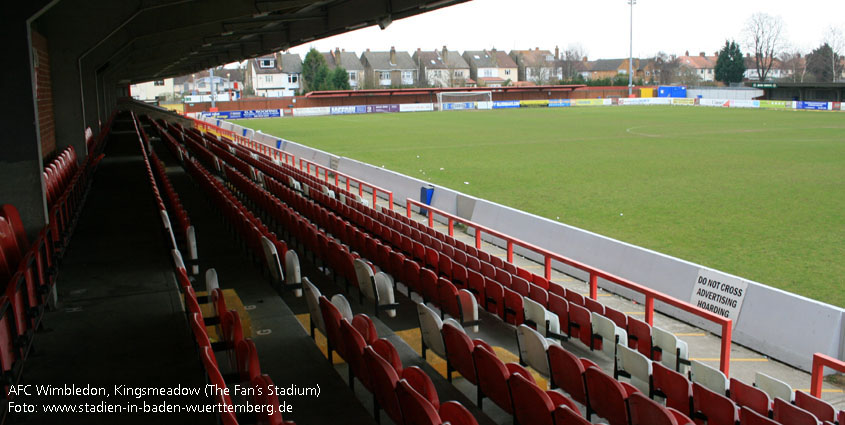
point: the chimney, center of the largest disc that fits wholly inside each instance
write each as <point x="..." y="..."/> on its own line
<point x="368" y="49"/>
<point x="748" y="55"/>
<point x="392" y="55"/>
<point x="493" y="50"/>
<point x="701" y="54"/>
<point x="444" y="52"/>
<point x="337" y="56"/>
<point x="686" y="53"/>
<point x="537" y="49"/>
<point x="557" y="53"/>
<point x="584" y="59"/>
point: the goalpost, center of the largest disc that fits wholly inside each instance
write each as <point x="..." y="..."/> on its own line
<point x="458" y="100"/>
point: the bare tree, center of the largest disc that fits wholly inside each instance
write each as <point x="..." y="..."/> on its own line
<point x="764" y="35"/>
<point x="571" y="63"/>
<point x="794" y="62"/>
<point x="665" y="68"/>
<point x="836" y="40"/>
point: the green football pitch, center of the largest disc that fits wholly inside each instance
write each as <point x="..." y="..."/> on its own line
<point x="756" y="193"/>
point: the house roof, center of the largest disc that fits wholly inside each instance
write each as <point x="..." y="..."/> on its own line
<point x="534" y="57"/>
<point x="259" y="70"/>
<point x="436" y="60"/>
<point x="381" y="61"/>
<point x="235" y="74"/>
<point x="605" y="64"/>
<point x="489" y="59"/>
<point x="698" y="62"/>
<point x="491" y="79"/>
<point x="348" y="60"/>
<point x="291" y="63"/>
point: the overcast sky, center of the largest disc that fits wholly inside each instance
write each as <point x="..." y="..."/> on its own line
<point x="600" y="26"/>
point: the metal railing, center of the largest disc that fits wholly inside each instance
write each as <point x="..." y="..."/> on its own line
<point x="306" y="165"/>
<point x="650" y="294"/>
<point x="820" y="361"/>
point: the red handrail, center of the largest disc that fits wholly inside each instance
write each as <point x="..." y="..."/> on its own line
<point x="305" y="165"/>
<point x="258" y="147"/>
<point x="650" y="294"/>
<point x="819" y="362"/>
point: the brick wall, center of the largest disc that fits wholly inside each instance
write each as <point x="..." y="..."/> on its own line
<point x="44" y="95"/>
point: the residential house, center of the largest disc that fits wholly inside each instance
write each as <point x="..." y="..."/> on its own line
<point x="702" y="65"/>
<point x="779" y="70"/>
<point x="153" y="90"/>
<point x="348" y="61"/>
<point x="537" y="66"/>
<point x="225" y="80"/>
<point x="388" y="69"/>
<point x="610" y="68"/>
<point x="275" y="75"/>
<point x="491" y="68"/>
<point x="442" y="69"/>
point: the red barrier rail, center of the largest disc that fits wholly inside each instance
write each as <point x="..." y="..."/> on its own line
<point x="259" y="147"/>
<point x="306" y="165"/>
<point x="819" y="362"/>
<point x="650" y="294"/>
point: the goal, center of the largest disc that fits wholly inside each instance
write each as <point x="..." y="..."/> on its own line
<point x="458" y="100"/>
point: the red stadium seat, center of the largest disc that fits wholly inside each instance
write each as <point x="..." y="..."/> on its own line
<point x="532" y="405"/>
<point x="513" y="308"/>
<point x="365" y="326"/>
<point x="787" y="413"/>
<point x="645" y="411"/>
<point x="332" y="319"/>
<point x="564" y="415"/>
<point x="428" y="285"/>
<point x="456" y="414"/>
<point x="580" y="325"/>
<point x="247" y="358"/>
<point x="639" y="336"/>
<point x="821" y="409"/>
<point x="607" y="396"/>
<point x="567" y="372"/>
<point x="715" y="408"/>
<point x="673" y="386"/>
<point x="353" y="345"/>
<point x="750" y="417"/>
<point x="416" y="410"/>
<point x="745" y="395"/>
<point x="459" y="348"/>
<point x="493" y="376"/>
<point x="618" y="317"/>
<point x="594" y="306"/>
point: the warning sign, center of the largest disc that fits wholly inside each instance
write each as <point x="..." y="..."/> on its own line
<point x="719" y="294"/>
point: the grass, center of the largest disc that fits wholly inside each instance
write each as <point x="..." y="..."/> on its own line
<point x="759" y="194"/>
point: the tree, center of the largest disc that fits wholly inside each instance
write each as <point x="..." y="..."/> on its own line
<point x="836" y="40"/>
<point x="795" y="64"/>
<point x="688" y="76"/>
<point x="311" y="70"/>
<point x="571" y="63"/>
<point x="763" y="36"/>
<point x="665" y="68"/>
<point x="819" y="63"/>
<point x="730" y="66"/>
<point x="339" y="79"/>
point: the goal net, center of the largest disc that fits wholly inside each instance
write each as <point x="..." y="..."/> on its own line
<point x="458" y="100"/>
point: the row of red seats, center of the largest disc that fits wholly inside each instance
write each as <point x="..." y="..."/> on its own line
<point x="29" y="267"/>
<point x="241" y="352"/>
<point x="407" y="395"/>
<point x="341" y="336"/>
<point x="562" y="298"/>
<point x="499" y="286"/>
<point x="333" y="339"/>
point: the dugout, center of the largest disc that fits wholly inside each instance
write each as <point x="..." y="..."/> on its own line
<point x="818" y="92"/>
